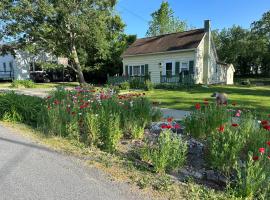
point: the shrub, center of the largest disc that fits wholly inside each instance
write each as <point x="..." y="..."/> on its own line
<point x="124" y="85"/>
<point x="23" y="83"/>
<point x="136" y="83"/>
<point x="148" y="85"/>
<point x="166" y="153"/>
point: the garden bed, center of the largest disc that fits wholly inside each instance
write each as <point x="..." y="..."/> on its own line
<point x="222" y="147"/>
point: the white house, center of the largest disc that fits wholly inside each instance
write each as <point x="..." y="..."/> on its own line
<point x="18" y="67"/>
<point x="164" y="57"/>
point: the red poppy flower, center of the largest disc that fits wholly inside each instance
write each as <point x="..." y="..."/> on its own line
<point x="170" y="119"/>
<point x="177" y="126"/>
<point x="197" y="106"/>
<point x="268" y="143"/>
<point x="264" y="122"/>
<point x="48" y="97"/>
<point x="255" y="158"/>
<point x="169" y="126"/>
<point x="56" y="102"/>
<point x="267" y="127"/>
<point x="221" y="128"/>
<point x="235" y="125"/>
<point x="163" y="126"/>
<point x="234" y="103"/>
<point x="261" y="150"/>
<point x="268" y="156"/>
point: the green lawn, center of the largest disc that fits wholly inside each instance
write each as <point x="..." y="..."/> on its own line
<point x="44" y="85"/>
<point x="246" y="97"/>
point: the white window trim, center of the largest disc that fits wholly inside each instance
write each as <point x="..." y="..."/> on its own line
<point x="164" y="67"/>
<point x="181" y="65"/>
<point x="133" y="67"/>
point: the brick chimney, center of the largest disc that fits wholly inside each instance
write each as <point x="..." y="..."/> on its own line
<point x="207" y="25"/>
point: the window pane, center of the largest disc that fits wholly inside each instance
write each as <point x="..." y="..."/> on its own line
<point x="136" y="70"/>
<point x="184" y="66"/>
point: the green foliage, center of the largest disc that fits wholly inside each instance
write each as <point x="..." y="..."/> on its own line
<point x="89" y="31"/>
<point x="252" y="179"/>
<point x="167" y="153"/>
<point x="205" y="120"/>
<point x="20" y="108"/>
<point x="124" y="85"/>
<point x="136" y="83"/>
<point x="96" y="121"/>
<point x="23" y="83"/>
<point x="246" y="47"/>
<point x="164" y="21"/>
<point x="148" y="85"/>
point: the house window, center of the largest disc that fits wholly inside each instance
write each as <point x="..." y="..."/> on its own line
<point x="136" y="70"/>
<point x="191" y="66"/>
<point x="184" y="66"/>
<point x="5" y="67"/>
<point x="168" y="69"/>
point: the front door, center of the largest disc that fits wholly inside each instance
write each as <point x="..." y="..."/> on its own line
<point x="169" y="69"/>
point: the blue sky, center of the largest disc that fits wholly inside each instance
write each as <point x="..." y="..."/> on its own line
<point x="222" y="13"/>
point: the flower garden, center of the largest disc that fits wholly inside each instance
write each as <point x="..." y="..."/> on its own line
<point x="221" y="146"/>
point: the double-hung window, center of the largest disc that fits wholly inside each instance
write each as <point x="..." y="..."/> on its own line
<point x="184" y="66"/>
<point x="136" y="70"/>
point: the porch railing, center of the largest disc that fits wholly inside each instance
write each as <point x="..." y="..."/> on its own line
<point x="181" y="79"/>
<point x="115" y="80"/>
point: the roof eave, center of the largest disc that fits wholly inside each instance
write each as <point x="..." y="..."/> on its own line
<point x="164" y="52"/>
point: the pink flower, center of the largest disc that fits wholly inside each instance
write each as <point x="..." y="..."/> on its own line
<point x="237" y="114"/>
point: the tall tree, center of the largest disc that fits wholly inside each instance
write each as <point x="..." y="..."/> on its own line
<point x="163" y="21"/>
<point x="62" y="27"/>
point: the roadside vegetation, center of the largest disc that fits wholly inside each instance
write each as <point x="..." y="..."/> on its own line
<point x="113" y="132"/>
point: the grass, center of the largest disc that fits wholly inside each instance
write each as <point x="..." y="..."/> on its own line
<point x="248" y="97"/>
<point x="43" y="85"/>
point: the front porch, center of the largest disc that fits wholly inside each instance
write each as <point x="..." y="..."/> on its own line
<point x="181" y="79"/>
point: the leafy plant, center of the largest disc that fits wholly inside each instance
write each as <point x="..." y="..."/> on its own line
<point x="253" y="177"/>
<point x="124" y="85"/>
<point x="166" y="153"/>
<point x="23" y="83"/>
